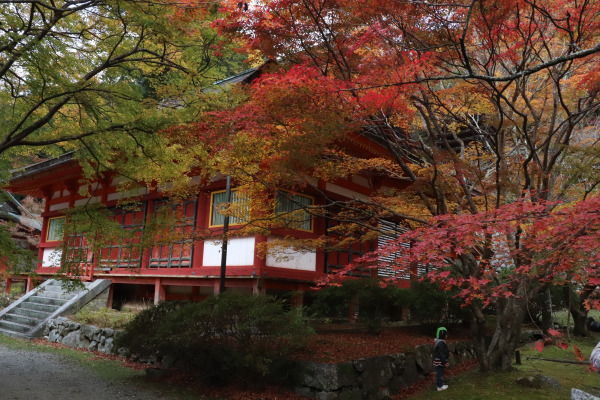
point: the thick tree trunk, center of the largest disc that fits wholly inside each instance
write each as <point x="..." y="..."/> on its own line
<point x="498" y="352"/>
<point x="578" y="310"/>
<point x="546" y="304"/>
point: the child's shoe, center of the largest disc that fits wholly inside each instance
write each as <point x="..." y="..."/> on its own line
<point x="442" y="388"/>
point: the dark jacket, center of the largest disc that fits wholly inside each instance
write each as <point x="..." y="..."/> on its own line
<point x="441" y="353"/>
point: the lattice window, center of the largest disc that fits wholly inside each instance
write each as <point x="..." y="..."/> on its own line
<point x="239" y="209"/>
<point x="391" y="232"/>
<point x="292" y="207"/>
<point x="126" y="252"/>
<point x="56" y="228"/>
<point x="178" y="253"/>
<point x="342" y="257"/>
<point x="78" y="256"/>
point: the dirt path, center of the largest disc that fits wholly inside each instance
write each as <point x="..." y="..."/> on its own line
<point x="31" y="375"/>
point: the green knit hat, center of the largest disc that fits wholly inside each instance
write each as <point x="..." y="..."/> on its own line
<point x="441" y="328"/>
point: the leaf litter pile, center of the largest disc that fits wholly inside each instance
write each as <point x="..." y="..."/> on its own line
<point x="332" y="344"/>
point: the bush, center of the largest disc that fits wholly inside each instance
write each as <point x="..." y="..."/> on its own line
<point x="228" y="337"/>
<point x="428" y="304"/>
<point x="375" y="302"/>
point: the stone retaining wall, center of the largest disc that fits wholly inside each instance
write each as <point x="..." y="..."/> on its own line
<point x="374" y="377"/>
<point x="73" y="334"/>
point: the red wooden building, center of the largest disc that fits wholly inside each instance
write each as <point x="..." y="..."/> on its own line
<point x="188" y="269"/>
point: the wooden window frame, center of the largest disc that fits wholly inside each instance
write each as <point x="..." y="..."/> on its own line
<point x="64" y="219"/>
<point x="212" y="210"/>
<point x="170" y="261"/>
<point x="311" y="203"/>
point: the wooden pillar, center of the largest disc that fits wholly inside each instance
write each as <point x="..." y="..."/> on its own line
<point x="7" y="285"/>
<point x="202" y="213"/>
<point x="298" y="299"/>
<point x="29" y="284"/>
<point x="260" y="262"/>
<point x="159" y="291"/>
<point x="111" y="296"/>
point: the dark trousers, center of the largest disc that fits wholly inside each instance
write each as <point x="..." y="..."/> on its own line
<point x="439" y="371"/>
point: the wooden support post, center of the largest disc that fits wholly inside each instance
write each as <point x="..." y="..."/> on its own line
<point x="159" y="291"/>
<point x="29" y="286"/>
<point x="298" y="299"/>
<point x="111" y="295"/>
<point x="7" y="285"/>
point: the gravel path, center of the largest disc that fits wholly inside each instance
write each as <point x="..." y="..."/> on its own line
<point x="31" y="375"/>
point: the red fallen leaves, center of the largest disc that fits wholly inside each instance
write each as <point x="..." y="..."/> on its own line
<point x="343" y="345"/>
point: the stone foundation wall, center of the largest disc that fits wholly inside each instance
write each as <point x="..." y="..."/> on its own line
<point x="73" y="334"/>
<point x="374" y="377"/>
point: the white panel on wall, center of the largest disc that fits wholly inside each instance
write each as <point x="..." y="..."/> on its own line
<point x="51" y="257"/>
<point x="59" y="206"/>
<point x="291" y="259"/>
<point x="56" y="194"/>
<point x="91" y="200"/>
<point x="130" y="193"/>
<point x="240" y="251"/>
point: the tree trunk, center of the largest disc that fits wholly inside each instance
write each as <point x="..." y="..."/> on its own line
<point x="578" y="310"/>
<point x="546" y="305"/>
<point x="498" y="352"/>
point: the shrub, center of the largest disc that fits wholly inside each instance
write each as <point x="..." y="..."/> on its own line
<point x="375" y="302"/>
<point x="427" y="303"/>
<point x="232" y="336"/>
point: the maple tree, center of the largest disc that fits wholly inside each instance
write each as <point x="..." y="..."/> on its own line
<point x="487" y="110"/>
<point x="102" y="78"/>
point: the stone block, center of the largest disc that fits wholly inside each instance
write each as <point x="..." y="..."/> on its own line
<point x="424" y="358"/>
<point x="538" y="382"/>
<point x="327" y="396"/>
<point x="327" y="377"/>
<point x="377" y="372"/>
<point x="577" y="394"/>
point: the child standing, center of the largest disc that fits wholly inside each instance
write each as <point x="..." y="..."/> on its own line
<point x="440" y="357"/>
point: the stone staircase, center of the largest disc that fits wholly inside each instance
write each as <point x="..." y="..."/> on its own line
<point x="27" y="317"/>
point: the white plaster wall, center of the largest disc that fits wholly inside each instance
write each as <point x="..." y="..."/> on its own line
<point x="130" y="193"/>
<point x="51" y="257"/>
<point x="59" y="206"/>
<point x="91" y="200"/>
<point x="291" y="259"/>
<point x="240" y="251"/>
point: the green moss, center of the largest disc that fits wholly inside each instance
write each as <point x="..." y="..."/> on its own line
<point x="475" y="385"/>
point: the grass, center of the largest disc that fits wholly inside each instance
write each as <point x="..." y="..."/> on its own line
<point x="560" y="317"/>
<point x="103" y="317"/>
<point x="475" y="385"/>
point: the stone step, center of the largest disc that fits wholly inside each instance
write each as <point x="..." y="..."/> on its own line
<point x="14" y="326"/>
<point x="56" y="295"/>
<point x="22" y="319"/>
<point x="32" y="313"/>
<point x="13" y="334"/>
<point x="46" y="300"/>
<point x="52" y="288"/>
<point x="45" y="308"/>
